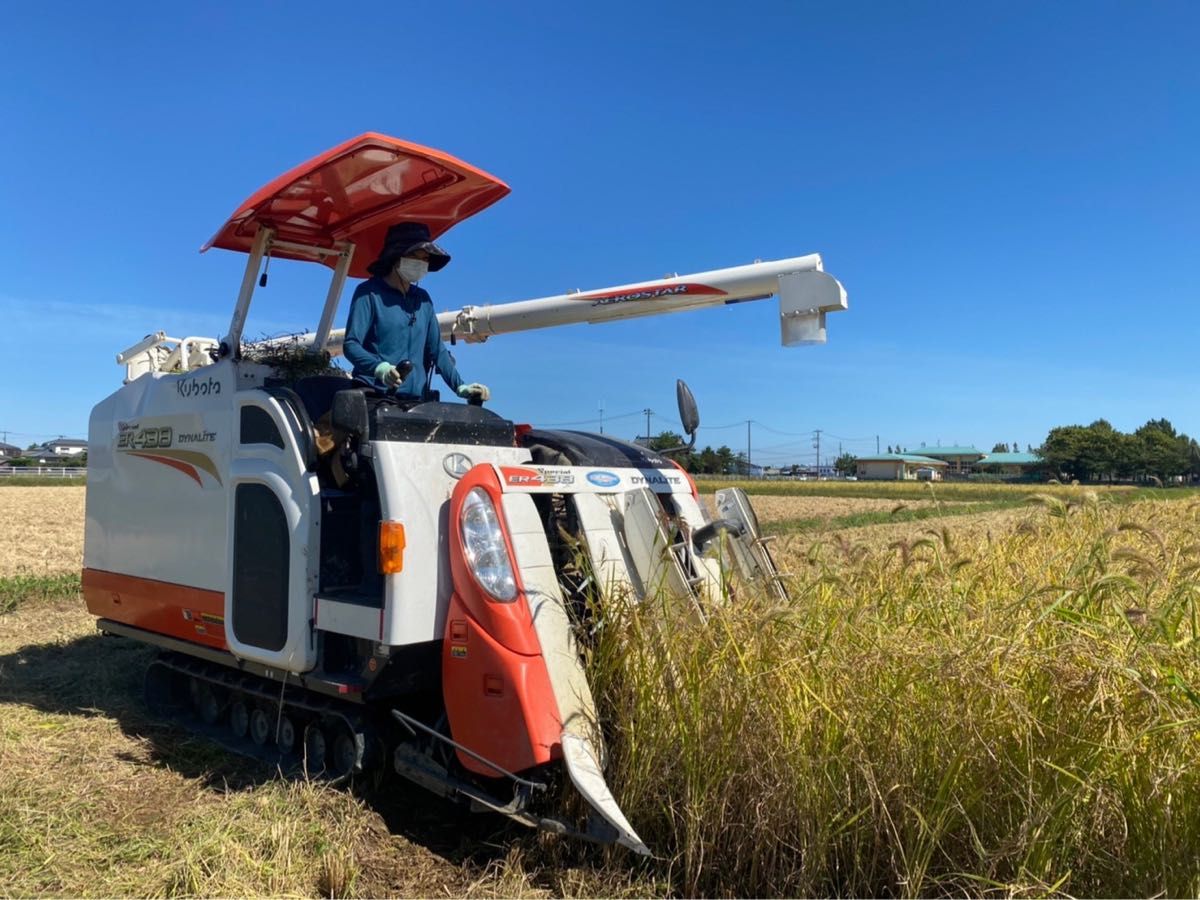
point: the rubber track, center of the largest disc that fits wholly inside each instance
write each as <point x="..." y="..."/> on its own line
<point x="295" y="700"/>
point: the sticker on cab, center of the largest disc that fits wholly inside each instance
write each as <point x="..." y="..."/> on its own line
<point x="604" y="479"/>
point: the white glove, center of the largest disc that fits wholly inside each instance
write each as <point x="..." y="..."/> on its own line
<point x="388" y="374"/>
<point x="475" y="389"/>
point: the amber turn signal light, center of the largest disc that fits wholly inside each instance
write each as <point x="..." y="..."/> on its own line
<point x="391" y="547"/>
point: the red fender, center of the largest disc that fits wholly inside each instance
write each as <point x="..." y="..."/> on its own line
<point x="494" y="679"/>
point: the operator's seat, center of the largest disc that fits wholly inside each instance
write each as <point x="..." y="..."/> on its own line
<point x="316" y="392"/>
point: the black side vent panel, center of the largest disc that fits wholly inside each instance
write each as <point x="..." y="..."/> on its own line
<point x="260" y="568"/>
<point x="258" y="428"/>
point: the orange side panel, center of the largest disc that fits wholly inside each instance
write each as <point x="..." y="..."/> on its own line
<point x="176" y="610"/>
<point x="500" y="703"/>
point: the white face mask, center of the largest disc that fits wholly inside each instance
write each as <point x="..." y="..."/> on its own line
<point x="412" y="270"/>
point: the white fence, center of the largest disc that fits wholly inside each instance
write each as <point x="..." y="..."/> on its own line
<point x="44" y="471"/>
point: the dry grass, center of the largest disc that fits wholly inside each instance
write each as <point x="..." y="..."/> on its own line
<point x="790" y="549"/>
<point x="770" y="509"/>
<point x="41" y="529"/>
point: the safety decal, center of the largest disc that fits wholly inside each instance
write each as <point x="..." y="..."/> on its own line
<point x="458" y="652"/>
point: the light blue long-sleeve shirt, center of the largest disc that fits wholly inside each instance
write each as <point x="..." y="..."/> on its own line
<point x="388" y="326"/>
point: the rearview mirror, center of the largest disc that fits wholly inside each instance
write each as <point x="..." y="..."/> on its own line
<point x="350" y="413"/>
<point x="689" y="415"/>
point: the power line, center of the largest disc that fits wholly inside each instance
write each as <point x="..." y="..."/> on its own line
<point x="852" y="440"/>
<point x="799" y="434"/>
<point x="722" y="427"/>
<point x="627" y="415"/>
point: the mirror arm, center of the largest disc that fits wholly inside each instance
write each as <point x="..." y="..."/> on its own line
<point x="688" y="446"/>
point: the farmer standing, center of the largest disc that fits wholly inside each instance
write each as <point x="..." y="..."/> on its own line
<point x="392" y="319"/>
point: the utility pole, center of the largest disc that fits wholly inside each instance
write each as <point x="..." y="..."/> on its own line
<point x="649" y="412"/>
<point x="602" y="417"/>
<point x="876" y="445"/>
<point x="748" y="458"/>
<point x="817" y="444"/>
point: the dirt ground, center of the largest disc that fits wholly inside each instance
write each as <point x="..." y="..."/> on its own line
<point x="41" y="530"/>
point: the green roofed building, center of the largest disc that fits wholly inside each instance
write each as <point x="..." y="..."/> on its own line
<point x="959" y="459"/>
<point x="899" y="467"/>
<point x="1009" y="464"/>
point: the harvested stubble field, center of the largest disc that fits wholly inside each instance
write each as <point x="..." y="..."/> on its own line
<point x="1001" y="703"/>
<point x="41" y="529"/>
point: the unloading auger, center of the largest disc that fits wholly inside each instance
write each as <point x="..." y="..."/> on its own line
<point x="402" y="599"/>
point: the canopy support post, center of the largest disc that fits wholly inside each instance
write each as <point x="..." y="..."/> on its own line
<point x="232" y="342"/>
<point x="331" y="299"/>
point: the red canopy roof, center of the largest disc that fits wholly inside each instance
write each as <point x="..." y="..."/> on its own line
<point x="354" y="192"/>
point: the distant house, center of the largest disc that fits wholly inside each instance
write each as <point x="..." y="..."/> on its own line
<point x="1009" y="465"/>
<point x="899" y="467"/>
<point x="959" y="459"/>
<point x="61" y="448"/>
<point x="8" y="451"/>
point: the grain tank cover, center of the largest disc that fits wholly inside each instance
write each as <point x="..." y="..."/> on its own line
<point x="352" y="193"/>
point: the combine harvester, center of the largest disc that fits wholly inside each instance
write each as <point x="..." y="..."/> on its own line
<point x="418" y="609"/>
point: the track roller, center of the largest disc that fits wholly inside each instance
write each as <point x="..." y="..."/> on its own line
<point x="348" y="751"/>
<point x="261" y="731"/>
<point x="316" y="749"/>
<point x="208" y="703"/>
<point x="285" y="734"/>
<point x="239" y="718"/>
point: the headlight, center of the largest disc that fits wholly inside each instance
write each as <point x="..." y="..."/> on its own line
<point x="483" y="544"/>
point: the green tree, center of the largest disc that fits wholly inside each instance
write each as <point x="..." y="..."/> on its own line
<point x="1098" y="451"/>
<point x="1000" y="448"/>
<point x="1162" y="452"/>
<point x="665" y="440"/>
<point x="1061" y="450"/>
<point x="1193" y="459"/>
<point x="706" y="462"/>
<point x="846" y="464"/>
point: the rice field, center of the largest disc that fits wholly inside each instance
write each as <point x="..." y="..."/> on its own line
<point x="996" y="702"/>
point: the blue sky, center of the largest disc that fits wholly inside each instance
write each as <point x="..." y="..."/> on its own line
<point x="1008" y="191"/>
